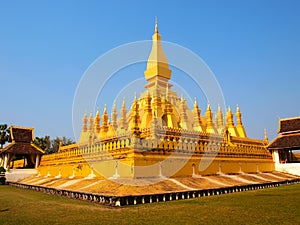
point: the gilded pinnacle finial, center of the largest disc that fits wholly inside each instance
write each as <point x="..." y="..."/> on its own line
<point x="195" y="103"/>
<point x="115" y="106"/>
<point x="105" y="110"/>
<point x="156" y="25"/>
<point x="208" y="106"/>
<point x="266" y="135"/>
<point x="229" y="109"/>
<point x="157" y="65"/>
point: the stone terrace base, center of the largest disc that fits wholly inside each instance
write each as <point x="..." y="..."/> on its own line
<point x="113" y="193"/>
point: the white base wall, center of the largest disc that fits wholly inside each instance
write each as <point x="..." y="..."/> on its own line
<point x="292" y="168"/>
<point x="15" y="175"/>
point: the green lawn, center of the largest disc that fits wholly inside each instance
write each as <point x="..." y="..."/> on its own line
<point x="269" y="206"/>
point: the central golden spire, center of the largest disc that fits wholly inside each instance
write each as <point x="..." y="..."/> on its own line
<point x="157" y="71"/>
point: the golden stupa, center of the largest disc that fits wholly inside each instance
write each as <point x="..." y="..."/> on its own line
<point x="159" y="136"/>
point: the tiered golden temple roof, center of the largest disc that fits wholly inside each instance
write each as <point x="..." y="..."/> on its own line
<point x="158" y="105"/>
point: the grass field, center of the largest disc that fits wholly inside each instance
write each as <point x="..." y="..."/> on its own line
<point x="268" y="206"/>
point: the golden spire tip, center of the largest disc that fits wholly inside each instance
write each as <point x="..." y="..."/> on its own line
<point x="208" y="106"/>
<point x="135" y="96"/>
<point x="195" y="103"/>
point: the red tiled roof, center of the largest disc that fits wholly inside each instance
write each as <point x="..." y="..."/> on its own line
<point x="289" y="125"/>
<point x="288" y="142"/>
<point x="20" y="134"/>
<point x="22" y="148"/>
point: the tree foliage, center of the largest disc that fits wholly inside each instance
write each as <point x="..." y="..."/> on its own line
<point x="43" y="142"/>
<point x="4" y="134"/>
<point x="52" y="145"/>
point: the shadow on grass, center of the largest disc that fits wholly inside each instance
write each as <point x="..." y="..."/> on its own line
<point x="268" y="195"/>
<point x="4" y="210"/>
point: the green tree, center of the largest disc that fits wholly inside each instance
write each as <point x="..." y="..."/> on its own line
<point x="51" y="145"/>
<point x="43" y="142"/>
<point x="67" y="141"/>
<point x="54" y="145"/>
<point x="56" y="142"/>
<point x="4" y="134"/>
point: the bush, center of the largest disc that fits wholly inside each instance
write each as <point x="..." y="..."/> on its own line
<point x="2" y="176"/>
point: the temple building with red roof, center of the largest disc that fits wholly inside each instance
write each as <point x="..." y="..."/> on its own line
<point x="21" y="145"/>
<point x="283" y="146"/>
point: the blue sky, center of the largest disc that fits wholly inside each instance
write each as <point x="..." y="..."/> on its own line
<point x="253" y="48"/>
